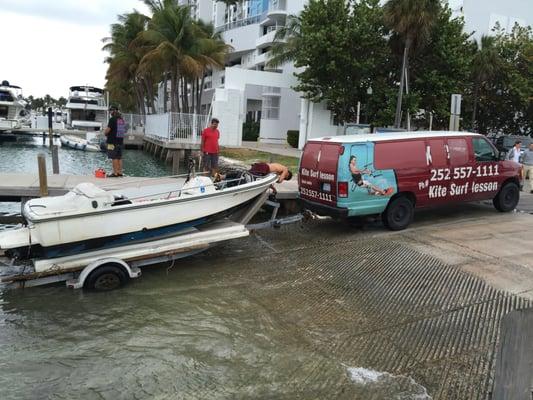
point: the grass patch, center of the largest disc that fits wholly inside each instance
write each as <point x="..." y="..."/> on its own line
<point x="249" y="156"/>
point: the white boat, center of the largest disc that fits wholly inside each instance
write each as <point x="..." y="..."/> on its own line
<point x="13" y="113"/>
<point x="87" y="109"/>
<point x="77" y="143"/>
<point x="89" y="217"/>
<point x="59" y="119"/>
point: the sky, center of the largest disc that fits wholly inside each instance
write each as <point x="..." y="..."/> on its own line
<point x="50" y="45"/>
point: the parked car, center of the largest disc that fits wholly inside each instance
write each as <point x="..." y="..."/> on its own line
<point x="504" y="143"/>
<point x="393" y="173"/>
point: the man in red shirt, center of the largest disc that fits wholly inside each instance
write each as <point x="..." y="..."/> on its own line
<point x="210" y="136"/>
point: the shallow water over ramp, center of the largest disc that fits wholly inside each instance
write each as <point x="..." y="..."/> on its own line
<point x="295" y="319"/>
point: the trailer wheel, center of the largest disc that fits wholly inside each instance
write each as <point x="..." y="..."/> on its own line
<point x="507" y="198"/>
<point x="398" y="214"/>
<point x="106" y="277"/>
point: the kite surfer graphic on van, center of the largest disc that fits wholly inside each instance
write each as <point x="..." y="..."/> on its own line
<point x="357" y="179"/>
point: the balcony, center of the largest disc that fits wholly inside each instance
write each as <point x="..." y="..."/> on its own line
<point x="277" y="8"/>
<point x="262" y="59"/>
<point x="240" y="23"/>
<point x="266" y="40"/>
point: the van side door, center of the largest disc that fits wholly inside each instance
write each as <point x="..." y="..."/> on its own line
<point x="486" y="169"/>
<point x="438" y="183"/>
<point x="461" y="169"/>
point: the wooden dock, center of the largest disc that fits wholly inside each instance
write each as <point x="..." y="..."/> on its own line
<point x="16" y="187"/>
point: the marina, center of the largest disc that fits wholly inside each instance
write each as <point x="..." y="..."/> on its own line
<point x="239" y="199"/>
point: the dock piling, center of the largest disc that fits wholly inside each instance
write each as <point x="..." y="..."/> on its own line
<point x="50" y="131"/>
<point x="55" y="160"/>
<point x="175" y="162"/>
<point x="43" y="181"/>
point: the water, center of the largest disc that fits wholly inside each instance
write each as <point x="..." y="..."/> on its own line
<point x="21" y="157"/>
<point x="206" y="327"/>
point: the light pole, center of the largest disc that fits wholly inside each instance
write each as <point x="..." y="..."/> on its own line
<point x="368" y="92"/>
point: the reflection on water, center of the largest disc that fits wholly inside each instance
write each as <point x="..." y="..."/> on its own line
<point x="178" y="334"/>
<point x="20" y="156"/>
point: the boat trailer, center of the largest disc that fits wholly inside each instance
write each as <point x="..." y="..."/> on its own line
<point x="110" y="268"/>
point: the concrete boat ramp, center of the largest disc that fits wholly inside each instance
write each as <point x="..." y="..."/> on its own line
<point x="425" y="303"/>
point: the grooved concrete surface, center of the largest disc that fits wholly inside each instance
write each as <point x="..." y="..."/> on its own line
<point x="424" y="303"/>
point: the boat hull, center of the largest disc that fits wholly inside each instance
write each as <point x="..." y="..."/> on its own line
<point x="52" y="236"/>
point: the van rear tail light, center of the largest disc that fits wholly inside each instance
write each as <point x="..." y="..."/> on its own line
<point x="342" y="189"/>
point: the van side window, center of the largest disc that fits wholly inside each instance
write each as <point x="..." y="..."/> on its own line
<point x="400" y="154"/>
<point x="458" y="151"/>
<point x="439" y="156"/>
<point x="483" y="151"/>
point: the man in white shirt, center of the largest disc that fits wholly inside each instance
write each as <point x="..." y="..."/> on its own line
<point x="514" y="153"/>
<point x="527" y="161"/>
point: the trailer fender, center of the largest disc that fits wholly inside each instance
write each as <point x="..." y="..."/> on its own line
<point x="80" y="281"/>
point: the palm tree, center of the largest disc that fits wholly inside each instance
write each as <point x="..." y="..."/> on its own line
<point x="485" y="66"/>
<point x="286" y="42"/>
<point x="124" y="81"/>
<point x="184" y="48"/>
<point x="169" y="34"/>
<point x="412" y="20"/>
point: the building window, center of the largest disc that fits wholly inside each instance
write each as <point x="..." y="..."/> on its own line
<point x="270" y="109"/>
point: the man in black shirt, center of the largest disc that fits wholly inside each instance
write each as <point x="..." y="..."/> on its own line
<point x="115" y="131"/>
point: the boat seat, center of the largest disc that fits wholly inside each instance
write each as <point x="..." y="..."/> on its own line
<point x="90" y="190"/>
<point x="120" y="200"/>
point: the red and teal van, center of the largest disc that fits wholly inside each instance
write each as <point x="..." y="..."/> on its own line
<point x="393" y="173"/>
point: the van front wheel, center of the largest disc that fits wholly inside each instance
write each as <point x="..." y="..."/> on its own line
<point x="398" y="214"/>
<point x="507" y="198"/>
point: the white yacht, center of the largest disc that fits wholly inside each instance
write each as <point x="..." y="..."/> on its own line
<point x="87" y="109"/>
<point x="13" y="113"/>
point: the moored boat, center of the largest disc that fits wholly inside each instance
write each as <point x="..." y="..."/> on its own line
<point x="13" y="113"/>
<point x="77" y="143"/>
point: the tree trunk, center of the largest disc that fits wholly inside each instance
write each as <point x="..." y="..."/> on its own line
<point x="200" y="93"/>
<point x="165" y="95"/>
<point x="140" y="98"/>
<point x="193" y="94"/>
<point x="149" y="93"/>
<point x="474" y="108"/>
<point x="173" y="91"/>
<point x="407" y="91"/>
<point x="398" y="117"/>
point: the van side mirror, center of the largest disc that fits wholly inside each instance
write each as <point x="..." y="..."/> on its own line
<point x="502" y="156"/>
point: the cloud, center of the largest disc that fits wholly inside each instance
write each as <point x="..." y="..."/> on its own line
<point x="88" y="12"/>
<point x="57" y="43"/>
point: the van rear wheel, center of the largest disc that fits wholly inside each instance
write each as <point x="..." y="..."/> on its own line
<point x="507" y="198"/>
<point x="398" y="214"/>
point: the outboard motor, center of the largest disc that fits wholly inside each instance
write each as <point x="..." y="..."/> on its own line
<point x="191" y="173"/>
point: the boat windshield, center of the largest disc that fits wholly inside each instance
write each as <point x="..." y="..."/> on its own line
<point x="6" y="96"/>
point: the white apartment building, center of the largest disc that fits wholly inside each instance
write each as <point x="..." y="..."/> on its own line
<point x="248" y="89"/>
<point x="482" y="15"/>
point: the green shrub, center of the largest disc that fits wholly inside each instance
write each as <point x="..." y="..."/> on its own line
<point x="250" y="131"/>
<point x="292" y="138"/>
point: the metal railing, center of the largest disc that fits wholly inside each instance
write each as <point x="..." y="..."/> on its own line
<point x="186" y="128"/>
<point x="135" y="122"/>
<point x="176" y="127"/>
<point x="241" y="22"/>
